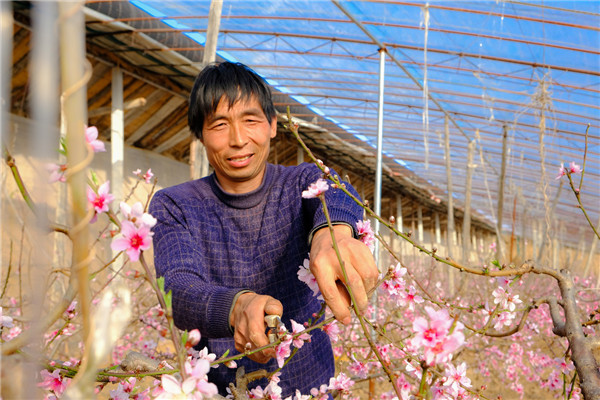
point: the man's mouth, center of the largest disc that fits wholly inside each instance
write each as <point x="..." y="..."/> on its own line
<point x="240" y="158"/>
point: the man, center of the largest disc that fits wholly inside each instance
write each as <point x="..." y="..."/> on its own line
<point x="229" y="245"/>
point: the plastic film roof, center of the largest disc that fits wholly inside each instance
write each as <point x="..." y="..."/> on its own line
<point x="476" y="69"/>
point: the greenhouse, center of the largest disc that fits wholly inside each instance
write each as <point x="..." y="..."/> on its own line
<point x="464" y="140"/>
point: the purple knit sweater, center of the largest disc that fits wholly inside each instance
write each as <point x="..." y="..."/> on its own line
<point x="209" y="245"/>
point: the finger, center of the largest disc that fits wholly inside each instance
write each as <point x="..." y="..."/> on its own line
<point x="364" y="263"/>
<point x="273" y="307"/>
<point x="355" y="283"/>
<point x="326" y="278"/>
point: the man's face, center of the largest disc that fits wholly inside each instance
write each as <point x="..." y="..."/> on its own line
<point x="237" y="142"/>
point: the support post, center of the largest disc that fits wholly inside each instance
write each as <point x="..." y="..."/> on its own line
<point x="499" y="240"/>
<point x="377" y="194"/>
<point x="466" y="230"/>
<point x="450" y="227"/>
<point x="399" y="220"/>
<point x="438" y="230"/>
<point x="199" y="162"/>
<point x="117" y="136"/>
<point x="420" y="223"/>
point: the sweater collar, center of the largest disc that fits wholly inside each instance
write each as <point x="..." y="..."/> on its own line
<point x="244" y="200"/>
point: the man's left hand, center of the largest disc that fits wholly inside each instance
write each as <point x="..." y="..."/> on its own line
<point x="360" y="269"/>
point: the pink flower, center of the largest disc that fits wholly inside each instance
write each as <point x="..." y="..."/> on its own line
<point x="137" y="215"/>
<point x="91" y="137"/>
<point x="132" y="240"/>
<point x="193" y="338"/>
<point x="365" y="233"/>
<point x="315" y="189"/>
<point x="561" y="171"/>
<point x="53" y="381"/>
<point x="457" y="378"/>
<point x="100" y="201"/>
<point x="434" y="337"/>
<point x="504" y="319"/>
<point x="148" y="175"/>
<point x="306" y="276"/>
<point x="359" y="368"/>
<point x="57" y="172"/>
<point x="299" y="340"/>
<point x="174" y="389"/>
<point x="282" y="352"/>
<point x="503" y="297"/>
<point x="332" y="330"/>
<point x="574" y="168"/>
<point x="341" y="382"/>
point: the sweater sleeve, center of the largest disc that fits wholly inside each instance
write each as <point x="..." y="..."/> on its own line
<point x="196" y="302"/>
<point x="341" y="208"/>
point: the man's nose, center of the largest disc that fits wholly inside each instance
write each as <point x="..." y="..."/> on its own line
<point x="237" y="136"/>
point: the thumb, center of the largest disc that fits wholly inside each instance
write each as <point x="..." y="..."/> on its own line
<point x="273" y="307"/>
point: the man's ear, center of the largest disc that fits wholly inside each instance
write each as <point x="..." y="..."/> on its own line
<point x="273" y="127"/>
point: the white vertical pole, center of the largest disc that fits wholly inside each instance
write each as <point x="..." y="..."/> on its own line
<point x="199" y="162"/>
<point x="466" y="229"/>
<point x="420" y="223"/>
<point x="438" y="230"/>
<point x="450" y="236"/>
<point x="500" y="240"/>
<point x="299" y="155"/>
<point x="379" y="147"/>
<point x="117" y="136"/>
<point x="399" y="220"/>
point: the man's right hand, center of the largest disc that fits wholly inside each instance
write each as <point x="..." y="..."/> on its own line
<point x="248" y="322"/>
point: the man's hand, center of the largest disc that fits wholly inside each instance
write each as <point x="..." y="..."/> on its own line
<point x="248" y="322"/>
<point x="359" y="264"/>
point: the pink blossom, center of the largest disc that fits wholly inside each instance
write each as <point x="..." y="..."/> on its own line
<point x="457" y="377"/>
<point x="316" y="189"/>
<point x="100" y="201"/>
<point x="341" y="382"/>
<point x="53" y="381"/>
<point x="561" y="171"/>
<point x="306" y="276"/>
<point x="137" y="215"/>
<point x="365" y="233"/>
<point x="148" y="175"/>
<point x="299" y="340"/>
<point x="174" y="389"/>
<point x="132" y="240"/>
<point x="574" y="168"/>
<point x="434" y="338"/>
<point x="91" y="137"/>
<point x="193" y="338"/>
<point x="358" y="368"/>
<point x="504" y="319"/>
<point x="282" y="352"/>
<point x="332" y="330"/>
<point x="412" y="297"/>
<point x="124" y="389"/>
<point x="503" y="297"/>
<point x="57" y="172"/>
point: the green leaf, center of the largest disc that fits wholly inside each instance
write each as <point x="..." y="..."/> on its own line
<point x="94" y="177"/>
<point x="161" y="284"/>
<point x="168" y="300"/>
<point x="496" y="263"/>
<point x="184" y="338"/>
<point x="225" y="354"/>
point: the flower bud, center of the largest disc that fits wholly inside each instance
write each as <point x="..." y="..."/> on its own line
<point x="193" y="338"/>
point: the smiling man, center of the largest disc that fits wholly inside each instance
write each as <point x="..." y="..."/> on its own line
<point x="229" y="245"/>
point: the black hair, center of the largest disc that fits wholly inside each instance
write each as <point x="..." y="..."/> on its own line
<point x="234" y="81"/>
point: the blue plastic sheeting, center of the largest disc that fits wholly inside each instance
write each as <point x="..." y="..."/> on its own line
<point x="489" y="64"/>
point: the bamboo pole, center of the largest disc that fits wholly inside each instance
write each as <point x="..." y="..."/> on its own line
<point x="73" y="76"/>
<point x="466" y="230"/>
<point x="501" y="179"/>
<point x="420" y="223"/>
<point x="451" y="241"/>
